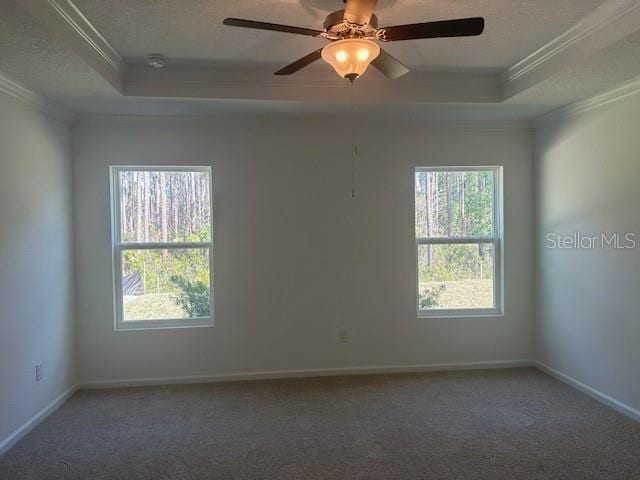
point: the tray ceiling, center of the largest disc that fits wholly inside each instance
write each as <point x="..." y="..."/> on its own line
<point x="534" y="56"/>
<point x="192" y="29"/>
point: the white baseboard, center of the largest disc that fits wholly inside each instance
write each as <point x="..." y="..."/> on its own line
<point x="326" y="372"/>
<point x="592" y="392"/>
<point x="30" y="424"/>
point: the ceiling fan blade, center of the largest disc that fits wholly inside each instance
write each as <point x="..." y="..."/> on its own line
<point x="463" y="27"/>
<point x="275" y="27"/>
<point x="359" y="11"/>
<point x="301" y="63"/>
<point x="390" y="66"/>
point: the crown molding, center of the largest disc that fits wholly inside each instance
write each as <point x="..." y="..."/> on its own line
<point x="598" y="19"/>
<point x="85" y="29"/>
<point x="33" y="99"/>
<point x="620" y="92"/>
<point x="606" y="25"/>
<point x="65" y="20"/>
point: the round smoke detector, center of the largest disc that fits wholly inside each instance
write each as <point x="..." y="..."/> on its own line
<point x="156" y="60"/>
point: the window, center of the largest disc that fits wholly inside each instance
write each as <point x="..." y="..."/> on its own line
<point x="162" y="247"/>
<point x="458" y="241"/>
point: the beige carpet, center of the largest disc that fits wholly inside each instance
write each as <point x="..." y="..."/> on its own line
<point x="502" y="424"/>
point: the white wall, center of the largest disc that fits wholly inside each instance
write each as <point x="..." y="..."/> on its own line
<point x="295" y="258"/>
<point x="587" y="173"/>
<point x="36" y="269"/>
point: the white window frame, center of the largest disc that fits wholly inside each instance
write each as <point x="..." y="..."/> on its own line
<point x="117" y="247"/>
<point x="497" y="240"/>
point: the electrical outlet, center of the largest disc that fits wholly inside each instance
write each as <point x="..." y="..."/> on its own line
<point x="38" y="372"/>
<point x="343" y="336"/>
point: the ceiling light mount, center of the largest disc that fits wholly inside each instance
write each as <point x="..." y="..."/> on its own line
<point x="155" y="60"/>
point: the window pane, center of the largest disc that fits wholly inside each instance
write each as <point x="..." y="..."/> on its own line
<point x="162" y="206"/>
<point x="454" y="204"/>
<point x="165" y="284"/>
<point x="455" y="276"/>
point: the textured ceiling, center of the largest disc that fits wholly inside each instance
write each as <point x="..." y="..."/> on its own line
<point x="190" y="33"/>
<point x="192" y="29"/>
<point x="40" y="61"/>
<point x="598" y="73"/>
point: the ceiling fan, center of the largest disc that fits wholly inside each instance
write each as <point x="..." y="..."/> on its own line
<point x="352" y="32"/>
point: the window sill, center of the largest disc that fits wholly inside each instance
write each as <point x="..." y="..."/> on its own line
<point x="461" y="314"/>
<point x="146" y="325"/>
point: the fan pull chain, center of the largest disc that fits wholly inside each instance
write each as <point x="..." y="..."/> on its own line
<point x="354" y="151"/>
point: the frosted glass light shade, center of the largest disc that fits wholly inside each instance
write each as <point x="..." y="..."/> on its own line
<point x="350" y="57"/>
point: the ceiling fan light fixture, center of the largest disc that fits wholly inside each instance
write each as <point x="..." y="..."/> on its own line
<point x="350" y="57"/>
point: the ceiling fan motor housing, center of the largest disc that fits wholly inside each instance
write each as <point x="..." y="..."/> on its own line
<point x="337" y="28"/>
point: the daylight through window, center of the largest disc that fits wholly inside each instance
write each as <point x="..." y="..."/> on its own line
<point x="458" y="243"/>
<point x="162" y="246"/>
